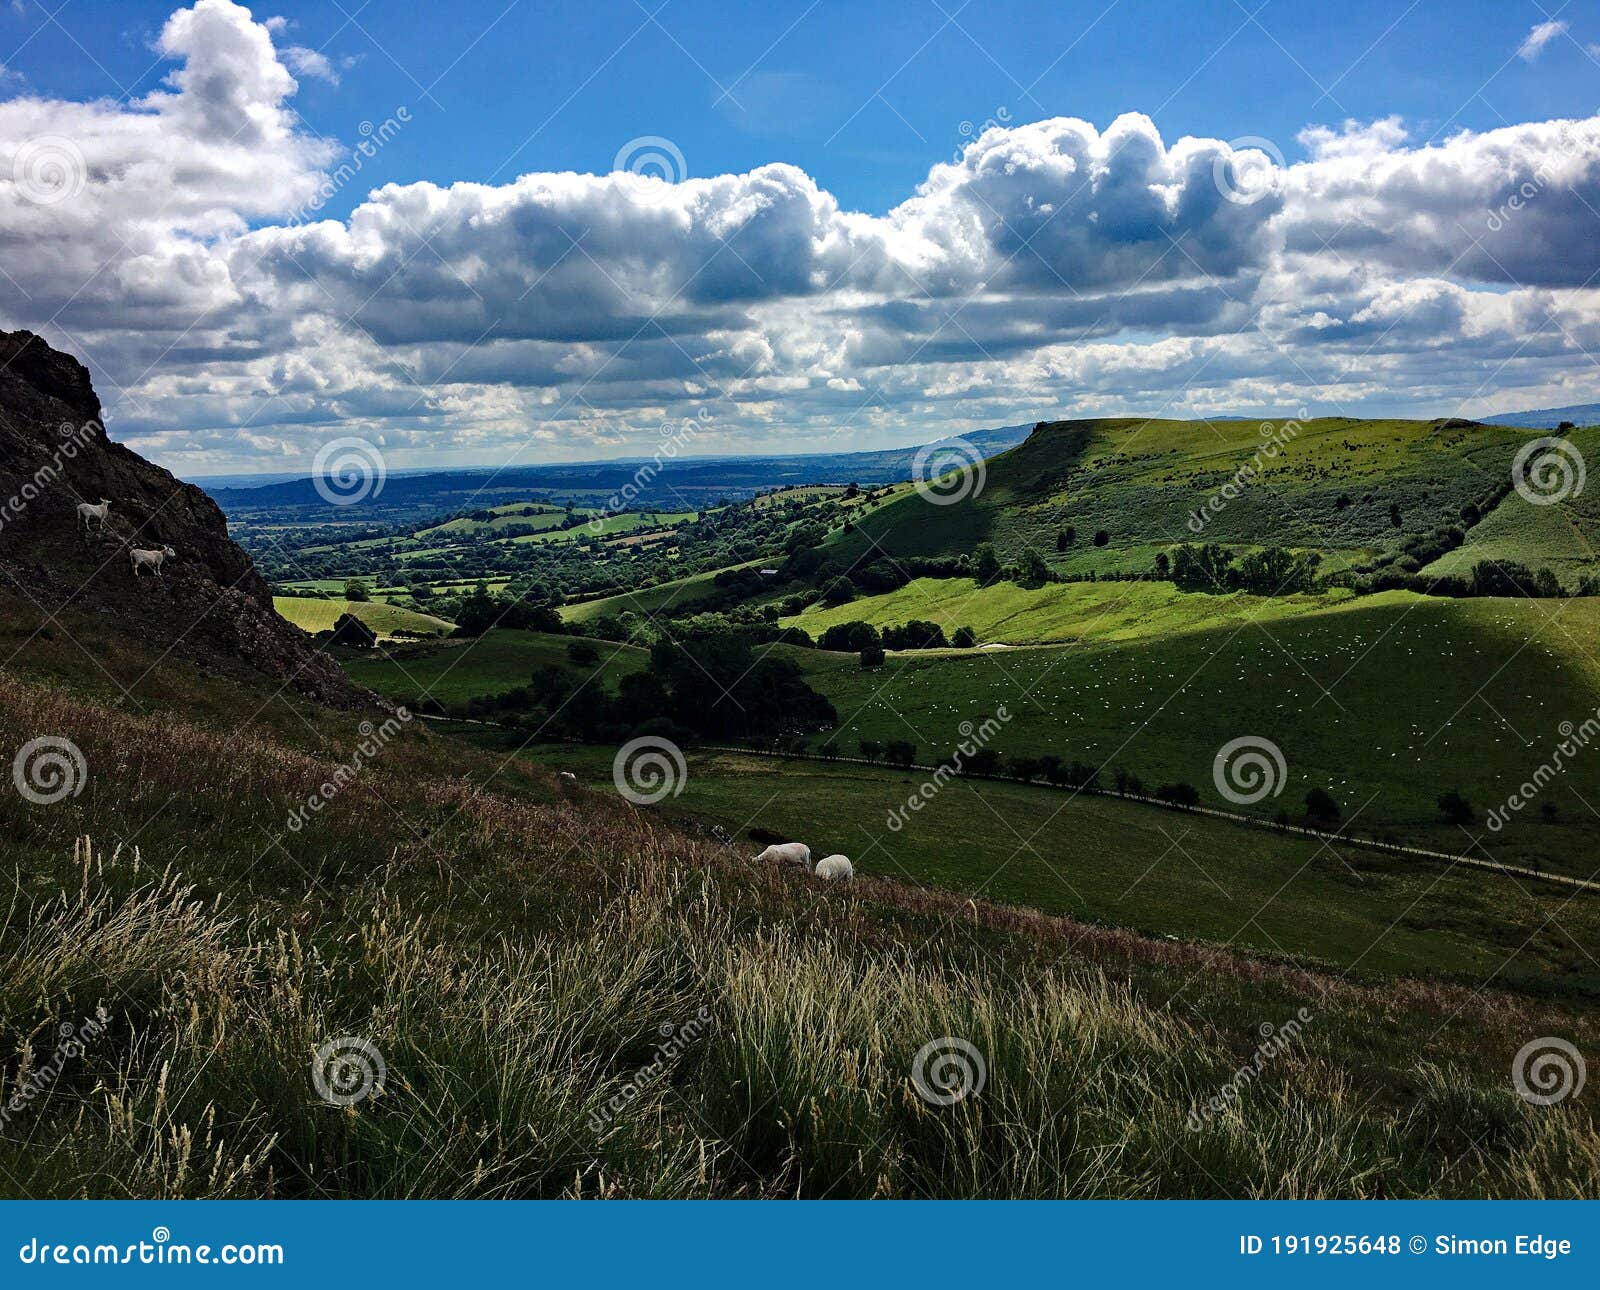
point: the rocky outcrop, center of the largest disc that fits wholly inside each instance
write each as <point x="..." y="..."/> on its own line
<point x="210" y="604"/>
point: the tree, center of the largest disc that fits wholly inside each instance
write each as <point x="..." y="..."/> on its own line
<point x="871" y="749"/>
<point x="1101" y="537"/>
<point x="841" y="591"/>
<point x="1032" y="571"/>
<point x="872" y="656"/>
<point x="350" y="630"/>
<point x="583" y="653"/>
<point x="900" y="752"/>
<point x="1321" y="808"/>
<point x="849" y="637"/>
<point x="1066" y="537"/>
<point x="1024" y="768"/>
<point x="1184" y="795"/>
<point x="986" y="761"/>
<point x="1163" y="566"/>
<point x="355" y="589"/>
<point x="965" y="638"/>
<point x="1456" y="809"/>
<point x="986" y="564"/>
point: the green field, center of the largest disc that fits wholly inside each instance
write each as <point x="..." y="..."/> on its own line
<point x="489" y="664"/>
<point x="1385" y="701"/>
<point x="1128" y="865"/>
<point x="1010" y="614"/>
<point x="313" y="615"/>
<point x="677" y="594"/>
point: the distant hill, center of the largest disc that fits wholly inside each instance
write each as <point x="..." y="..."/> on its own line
<point x="686" y="483"/>
<point x="1355" y="490"/>
<point x="1580" y="414"/>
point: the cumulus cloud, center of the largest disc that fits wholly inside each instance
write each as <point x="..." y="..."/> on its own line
<point x="1053" y="268"/>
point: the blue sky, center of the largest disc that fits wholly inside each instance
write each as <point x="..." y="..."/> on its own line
<point x="862" y="96"/>
<point x="481" y="233"/>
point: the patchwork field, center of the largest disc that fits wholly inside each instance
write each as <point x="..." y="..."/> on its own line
<point x="490" y="664"/>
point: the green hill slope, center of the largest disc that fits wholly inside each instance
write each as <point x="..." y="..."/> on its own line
<point x="1345" y="487"/>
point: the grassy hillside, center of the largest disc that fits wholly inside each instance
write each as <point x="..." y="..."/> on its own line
<point x="1124" y="864"/>
<point x="315" y="615"/>
<point x="515" y="952"/>
<point x="1386" y="701"/>
<point x="678" y="594"/>
<point x="1330" y="486"/>
<point x="489" y="664"/>
<point x="1005" y="612"/>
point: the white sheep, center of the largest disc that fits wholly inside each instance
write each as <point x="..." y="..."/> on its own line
<point x="139" y="560"/>
<point x="834" y="867"/>
<point x="786" y="853"/>
<point x="568" y="777"/>
<point x="90" y="514"/>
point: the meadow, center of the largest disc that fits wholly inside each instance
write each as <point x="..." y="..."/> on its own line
<point x="316" y="615"/>
<point x="515" y="948"/>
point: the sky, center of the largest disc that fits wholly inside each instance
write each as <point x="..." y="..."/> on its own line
<point x="521" y="232"/>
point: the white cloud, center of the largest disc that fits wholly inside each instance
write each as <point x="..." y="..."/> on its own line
<point x="1054" y="268"/>
<point x="309" y="62"/>
<point x="1537" y="38"/>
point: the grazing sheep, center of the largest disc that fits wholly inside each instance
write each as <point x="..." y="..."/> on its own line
<point x="786" y="853"/>
<point x="90" y="514"/>
<point x="568" y="777"/>
<point x="835" y="867"/>
<point x="139" y="560"/>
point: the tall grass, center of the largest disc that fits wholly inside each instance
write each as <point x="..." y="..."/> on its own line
<point x="533" y="965"/>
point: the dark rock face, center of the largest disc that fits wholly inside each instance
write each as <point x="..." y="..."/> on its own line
<point x="209" y="603"/>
